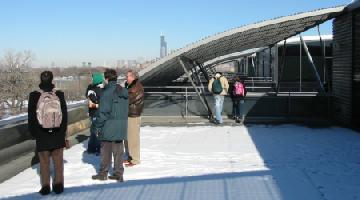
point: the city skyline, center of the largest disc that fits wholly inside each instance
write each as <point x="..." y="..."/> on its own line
<point x="65" y="33"/>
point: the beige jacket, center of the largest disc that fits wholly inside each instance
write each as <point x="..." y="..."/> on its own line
<point x="224" y="84"/>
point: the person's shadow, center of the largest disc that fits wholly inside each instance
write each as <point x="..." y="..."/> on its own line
<point x="90" y="158"/>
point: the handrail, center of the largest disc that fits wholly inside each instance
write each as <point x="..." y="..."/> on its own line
<point x="185" y="94"/>
<point x="187" y="87"/>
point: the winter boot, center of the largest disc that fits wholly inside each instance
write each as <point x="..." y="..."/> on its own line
<point x="45" y="190"/>
<point x="99" y="177"/>
<point x="58" y="188"/>
<point x="116" y="177"/>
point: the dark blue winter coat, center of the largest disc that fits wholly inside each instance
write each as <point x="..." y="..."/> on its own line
<point x="112" y="120"/>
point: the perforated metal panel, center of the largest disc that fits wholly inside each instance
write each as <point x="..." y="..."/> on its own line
<point x="356" y="70"/>
<point x="342" y="69"/>
<point x="236" y="40"/>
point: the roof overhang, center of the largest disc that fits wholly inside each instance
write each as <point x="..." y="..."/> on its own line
<point x="262" y="34"/>
<point x="355" y="4"/>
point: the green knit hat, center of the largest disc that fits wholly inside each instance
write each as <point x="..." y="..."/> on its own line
<point x="97" y="78"/>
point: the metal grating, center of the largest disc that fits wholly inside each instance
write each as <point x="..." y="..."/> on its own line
<point x="236" y="40"/>
<point x="342" y="69"/>
<point x="356" y="71"/>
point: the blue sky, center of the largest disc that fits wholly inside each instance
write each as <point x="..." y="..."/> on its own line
<point x="71" y="31"/>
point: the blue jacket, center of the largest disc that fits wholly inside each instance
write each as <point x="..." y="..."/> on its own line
<point x="112" y="120"/>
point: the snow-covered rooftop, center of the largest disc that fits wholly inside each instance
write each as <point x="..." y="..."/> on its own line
<point x="208" y="162"/>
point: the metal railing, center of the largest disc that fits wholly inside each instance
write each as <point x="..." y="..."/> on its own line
<point x="185" y="98"/>
<point x="173" y="96"/>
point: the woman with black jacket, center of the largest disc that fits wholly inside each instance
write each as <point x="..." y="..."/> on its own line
<point x="49" y="142"/>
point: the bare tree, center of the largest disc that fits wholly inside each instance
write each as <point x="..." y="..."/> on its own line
<point x="16" y="79"/>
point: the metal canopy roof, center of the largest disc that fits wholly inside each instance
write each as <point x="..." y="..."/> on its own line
<point x="251" y="36"/>
<point x="233" y="56"/>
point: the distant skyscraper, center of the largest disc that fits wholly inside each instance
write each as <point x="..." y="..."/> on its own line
<point x="163" y="46"/>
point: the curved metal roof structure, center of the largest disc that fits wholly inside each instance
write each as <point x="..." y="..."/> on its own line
<point x="251" y="36"/>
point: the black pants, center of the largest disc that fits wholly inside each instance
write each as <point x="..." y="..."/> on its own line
<point x="238" y="108"/>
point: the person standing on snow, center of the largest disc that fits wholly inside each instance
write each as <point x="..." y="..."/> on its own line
<point x="47" y="121"/>
<point x="136" y="105"/>
<point x="93" y="94"/>
<point x="218" y="86"/>
<point x="111" y="125"/>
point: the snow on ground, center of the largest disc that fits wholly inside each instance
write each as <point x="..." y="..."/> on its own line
<point x="208" y="162"/>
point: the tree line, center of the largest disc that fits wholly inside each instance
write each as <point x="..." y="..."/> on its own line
<point x="18" y="79"/>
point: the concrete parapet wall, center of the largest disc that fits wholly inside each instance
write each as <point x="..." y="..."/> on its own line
<point x="14" y="135"/>
<point x="18" y="133"/>
<point x="17" y="147"/>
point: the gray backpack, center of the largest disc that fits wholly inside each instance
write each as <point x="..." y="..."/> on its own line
<point x="48" y="110"/>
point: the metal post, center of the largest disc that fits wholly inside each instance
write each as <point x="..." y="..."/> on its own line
<point x="186" y="101"/>
<point x="324" y="61"/>
<point x="312" y="63"/>
<point x="196" y="90"/>
<point x="281" y="66"/>
<point x="322" y="47"/>
<point x="300" y="81"/>
<point x="270" y="63"/>
<point x="263" y="64"/>
<point x="253" y="66"/>
<point x="253" y="85"/>
<point x="289" y="104"/>
<point x="246" y="66"/>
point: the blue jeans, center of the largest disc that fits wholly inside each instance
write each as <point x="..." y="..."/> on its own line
<point x="219" y="105"/>
<point x="94" y="143"/>
<point x="234" y="109"/>
<point x="238" y="108"/>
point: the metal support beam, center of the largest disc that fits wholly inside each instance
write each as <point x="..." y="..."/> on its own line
<point x="281" y="66"/>
<point x="203" y="101"/>
<point x="312" y="63"/>
<point x="270" y="66"/>
<point x="300" y="73"/>
<point x="263" y="64"/>
<point x="323" y="61"/>
<point x="200" y="82"/>
<point x="194" y="75"/>
<point x="206" y="75"/>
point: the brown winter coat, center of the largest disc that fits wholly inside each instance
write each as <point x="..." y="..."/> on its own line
<point x="136" y="98"/>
